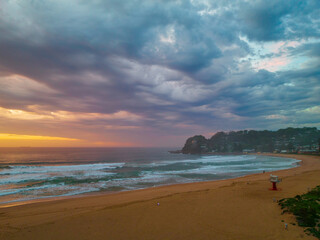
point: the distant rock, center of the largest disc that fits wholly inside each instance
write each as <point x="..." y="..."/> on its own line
<point x="175" y="151"/>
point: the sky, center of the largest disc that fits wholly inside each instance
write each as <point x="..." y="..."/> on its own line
<point x="145" y="73"/>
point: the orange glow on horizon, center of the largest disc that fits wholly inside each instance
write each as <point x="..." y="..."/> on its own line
<point x="19" y="140"/>
<point x="6" y="136"/>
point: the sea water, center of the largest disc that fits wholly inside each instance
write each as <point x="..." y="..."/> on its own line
<point x="36" y="173"/>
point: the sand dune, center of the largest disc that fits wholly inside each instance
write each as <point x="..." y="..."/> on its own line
<point x="241" y="208"/>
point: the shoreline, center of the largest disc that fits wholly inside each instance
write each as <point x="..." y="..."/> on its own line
<point x="129" y="214"/>
<point x="102" y="193"/>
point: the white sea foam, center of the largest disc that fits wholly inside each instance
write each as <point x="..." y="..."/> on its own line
<point x="201" y="159"/>
<point x="30" y="182"/>
<point x="56" y="169"/>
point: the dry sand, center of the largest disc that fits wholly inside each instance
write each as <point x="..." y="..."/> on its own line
<point x="236" y="209"/>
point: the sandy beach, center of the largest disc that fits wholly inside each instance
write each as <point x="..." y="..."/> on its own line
<point x="241" y="208"/>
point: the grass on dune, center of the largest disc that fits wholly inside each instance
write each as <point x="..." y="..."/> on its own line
<point x="306" y="208"/>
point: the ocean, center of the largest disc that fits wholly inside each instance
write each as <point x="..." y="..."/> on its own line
<point x="37" y="173"/>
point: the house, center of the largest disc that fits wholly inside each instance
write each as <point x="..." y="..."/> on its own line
<point x="248" y="150"/>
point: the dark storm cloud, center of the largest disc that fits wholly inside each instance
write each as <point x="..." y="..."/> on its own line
<point x="171" y="62"/>
<point x="278" y="20"/>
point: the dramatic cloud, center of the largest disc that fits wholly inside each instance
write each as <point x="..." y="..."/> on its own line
<point x="146" y="73"/>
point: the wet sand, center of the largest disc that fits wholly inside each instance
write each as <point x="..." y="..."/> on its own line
<point x="241" y="208"/>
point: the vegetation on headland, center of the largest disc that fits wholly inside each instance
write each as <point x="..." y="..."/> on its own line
<point x="306" y="208"/>
<point x="289" y="140"/>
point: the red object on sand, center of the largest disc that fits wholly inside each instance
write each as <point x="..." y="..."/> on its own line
<point x="274" y="179"/>
<point x="274" y="186"/>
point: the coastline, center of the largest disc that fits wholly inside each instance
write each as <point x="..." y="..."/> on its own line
<point x="104" y="192"/>
<point x="204" y="210"/>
